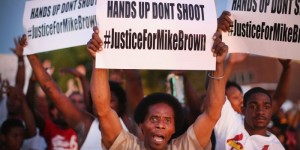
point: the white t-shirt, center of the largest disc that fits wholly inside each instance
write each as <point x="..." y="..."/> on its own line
<point x="230" y="133"/>
<point x="35" y="143"/>
<point x="93" y="139"/>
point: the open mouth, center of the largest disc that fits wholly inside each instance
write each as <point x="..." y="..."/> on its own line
<point x="158" y="138"/>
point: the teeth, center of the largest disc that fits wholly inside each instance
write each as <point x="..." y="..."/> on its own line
<point x="158" y="138"/>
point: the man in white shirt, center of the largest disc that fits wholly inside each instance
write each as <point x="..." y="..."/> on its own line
<point x="247" y="131"/>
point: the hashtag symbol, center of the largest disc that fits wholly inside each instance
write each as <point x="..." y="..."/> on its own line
<point x="29" y="33"/>
<point x="230" y="30"/>
<point x="107" y="39"/>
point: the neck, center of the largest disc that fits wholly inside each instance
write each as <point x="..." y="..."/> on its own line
<point x="255" y="131"/>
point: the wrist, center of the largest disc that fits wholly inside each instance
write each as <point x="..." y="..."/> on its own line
<point x="215" y="75"/>
<point x="286" y="67"/>
<point x="20" y="63"/>
<point x="20" y="58"/>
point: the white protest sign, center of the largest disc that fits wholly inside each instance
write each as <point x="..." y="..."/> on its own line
<point x="265" y="27"/>
<point x="56" y="24"/>
<point x="157" y="34"/>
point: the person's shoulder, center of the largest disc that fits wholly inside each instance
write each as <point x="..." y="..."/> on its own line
<point x="126" y="140"/>
<point x="187" y="140"/>
<point x="274" y="139"/>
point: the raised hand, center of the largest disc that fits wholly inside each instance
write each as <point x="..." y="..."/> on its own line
<point x="224" y="21"/>
<point x="95" y="43"/>
<point x="20" y="43"/>
<point x="219" y="48"/>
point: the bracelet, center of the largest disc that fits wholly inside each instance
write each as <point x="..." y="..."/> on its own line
<point x="217" y="78"/>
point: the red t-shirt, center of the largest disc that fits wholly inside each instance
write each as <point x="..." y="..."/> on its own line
<point x="58" y="138"/>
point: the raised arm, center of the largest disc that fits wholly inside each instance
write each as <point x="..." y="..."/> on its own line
<point x="110" y="125"/>
<point x="85" y="86"/>
<point x="76" y="119"/>
<point x="192" y="98"/>
<point x="134" y="89"/>
<point x="17" y="95"/>
<point x="233" y="59"/>
<point x="215" y="97"/>
<point x="224" y="24"/>
<point x="283" y="86"/>
<point x="18" y="50"/>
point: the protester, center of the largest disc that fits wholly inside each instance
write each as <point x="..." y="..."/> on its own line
<point x="234" y="94"/>
<point x="78" y="97"/>
<point x="16" y="104"/>
<point x="247" y="131"/>
<point x="12" y="134"/>
<point x="159" y="121"/>
<point x="82" y="122"/>
<point x="250" y="131"/>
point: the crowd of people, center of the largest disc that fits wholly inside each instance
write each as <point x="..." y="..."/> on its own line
<point x="111" y="111"/>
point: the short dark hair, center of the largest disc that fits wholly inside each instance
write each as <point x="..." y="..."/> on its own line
<point x="252" y="91"/>
<point x="142" y="109"/>
<point x="9" y="124"/>
<point x="233" y="84"/>
<point x="119" y="92"/>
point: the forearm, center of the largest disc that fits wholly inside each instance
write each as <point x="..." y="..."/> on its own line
<point x="20" y="77"/>
<point x="213" y="104"/>
<point x="283" y="88"/>
<point x="110" y="125"/>
<point x="216" y="93"/>
<point x="29" y="120"/>
<point x="86" y="90"/>
<point x="191" y="95"/>
<point x="134" y="89"/>
<point x="100" y="91"/>
<point x="30" y="95"/>
<point x="228" y="71"/>
<point x="44" y="79"/>
<point x="62" y="103"/>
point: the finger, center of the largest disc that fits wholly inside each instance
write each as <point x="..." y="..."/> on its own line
<point x="96" y="37"/>
<point x="217" y="40"/>
<point x="219" y="49"/>
<point x="224" y="25"/>
<point x="23" y="41"/>
<point x="224" y="21"/>
<point x="95" y="45"/>
<point x="93" y="48"/>
<point x="223" y="48"/>
<point x="217" y="35"/>
<point x="96" y="29"/>
<point x="228" y="19"/>
<point x="227" y="13"/>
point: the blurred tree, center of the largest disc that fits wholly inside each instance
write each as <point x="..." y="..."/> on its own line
<point x="153" y="80"/>
<point x="69" y="57"/>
